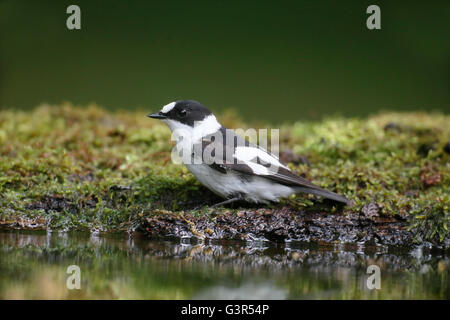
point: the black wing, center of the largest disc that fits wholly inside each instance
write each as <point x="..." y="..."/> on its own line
<point x="280" y="174"/>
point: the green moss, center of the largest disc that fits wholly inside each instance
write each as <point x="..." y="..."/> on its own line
<point x="69" y="167"/>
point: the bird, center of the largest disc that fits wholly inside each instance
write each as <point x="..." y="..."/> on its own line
<point x="226" y="163"/>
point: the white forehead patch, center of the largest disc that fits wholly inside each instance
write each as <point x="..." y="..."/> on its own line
<point x="168" y="107"/>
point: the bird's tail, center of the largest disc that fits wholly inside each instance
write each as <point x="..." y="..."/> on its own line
<point x="323" y="193"/>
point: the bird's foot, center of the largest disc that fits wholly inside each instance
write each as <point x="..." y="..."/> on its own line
<point x="221" y="204"/>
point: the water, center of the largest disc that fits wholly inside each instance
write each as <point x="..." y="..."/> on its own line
<point x="34" y="265"/>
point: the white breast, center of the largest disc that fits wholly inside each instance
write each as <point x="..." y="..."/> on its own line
<point x="256" y="189"/>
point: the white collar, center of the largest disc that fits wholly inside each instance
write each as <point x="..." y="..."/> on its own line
<point x="207" y="126"/>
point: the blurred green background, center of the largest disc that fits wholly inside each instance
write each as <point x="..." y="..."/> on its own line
<point x="275" y="60"/>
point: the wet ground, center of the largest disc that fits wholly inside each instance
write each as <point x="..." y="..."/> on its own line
<point x="33" y="265"/>
<point x="279" y="224"/>
<point x="286" y="224"/>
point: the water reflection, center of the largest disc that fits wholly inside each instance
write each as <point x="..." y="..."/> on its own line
<point x="33" y="266"/>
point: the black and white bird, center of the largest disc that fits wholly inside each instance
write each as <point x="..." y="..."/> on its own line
<point x="234" y="168"/>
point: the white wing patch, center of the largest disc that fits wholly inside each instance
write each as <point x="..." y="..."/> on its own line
<point x="168" y="107"/>
<point x="248" y="155"/>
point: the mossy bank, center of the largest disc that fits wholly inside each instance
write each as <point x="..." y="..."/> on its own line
<point x="84" y="168"/>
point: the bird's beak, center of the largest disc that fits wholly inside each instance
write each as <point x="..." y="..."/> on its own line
<point x="158" y="115"/>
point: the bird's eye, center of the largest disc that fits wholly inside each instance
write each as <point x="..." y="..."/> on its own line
<point x="183" y="113"/>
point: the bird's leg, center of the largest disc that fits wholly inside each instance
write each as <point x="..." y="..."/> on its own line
<point x="220" y="203"/>
<point x="227" y="202"/>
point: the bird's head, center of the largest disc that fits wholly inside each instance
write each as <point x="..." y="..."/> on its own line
<point x="188" y="115"/>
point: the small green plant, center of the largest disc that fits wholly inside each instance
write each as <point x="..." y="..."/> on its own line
<point x="84" y="168"/>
